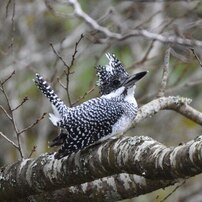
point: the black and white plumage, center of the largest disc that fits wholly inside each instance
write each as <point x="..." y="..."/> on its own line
<point x="94" y="120"/>
<point x="110" y="75"/>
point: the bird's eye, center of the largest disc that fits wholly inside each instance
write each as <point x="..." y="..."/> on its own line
<point x="116" y="82"/>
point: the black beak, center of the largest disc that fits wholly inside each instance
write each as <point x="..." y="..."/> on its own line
<point x="131" y="80"/>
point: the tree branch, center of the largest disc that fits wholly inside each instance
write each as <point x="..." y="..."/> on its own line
<point x="178" y="104"/>
<point x="116" y="187"/>
<point x="135" y="155"/>
<point x="172" y="102"/>
<point x="131" y="33"/>
<point x="165" y="75"/>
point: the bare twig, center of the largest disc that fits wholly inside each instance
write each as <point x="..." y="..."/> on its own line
<point x="179" y="56"/>
<point x="196" y="56"/>
<point x="24" y="100"/>
<point x="190" y="83"/>
<point x="144" y="58"/>
<point x="13" y="22"/>
<point x="11" y="116"/>
<point x="174" y="89"/>
<point x="10" y="141"/>
<point x="9" y="77"/>
<point x="61" y="84"/>
<point x="33" y="150"/>
<point x="60" y="49"/>
<point x="141" y="32"/>
<point x="75" y="50"/>
<point x="80" y="13"/>
<point x="174" y="190"/>
<point x="33" y="124"/>
<point x="67" y="71"/>
<point x="59" y="56"/>
<point x="7" y="7"/>
<point x="68" y="67"/>
<point x="4" y="110"/>
<point x="164" y="79"/>
<point x="148" y="19"/>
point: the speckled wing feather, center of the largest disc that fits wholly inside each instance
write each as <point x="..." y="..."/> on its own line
<point x="86" y="124"/>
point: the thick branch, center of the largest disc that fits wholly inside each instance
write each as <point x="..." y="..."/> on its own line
<point x="117" y="187"/>
<point x="135" y="155"/>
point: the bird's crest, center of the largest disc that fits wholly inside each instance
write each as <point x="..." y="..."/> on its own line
<point x="113" y="71"/>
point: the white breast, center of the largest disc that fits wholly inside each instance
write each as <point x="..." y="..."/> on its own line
<point x="121" y="126"/>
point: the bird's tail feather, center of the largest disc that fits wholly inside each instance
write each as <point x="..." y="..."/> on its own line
<point x="58" y="105"/>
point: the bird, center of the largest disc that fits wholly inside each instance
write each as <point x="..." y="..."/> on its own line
<point x="97" y="119"/>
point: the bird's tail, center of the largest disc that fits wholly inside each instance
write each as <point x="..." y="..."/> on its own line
<point x="58" y="105"/>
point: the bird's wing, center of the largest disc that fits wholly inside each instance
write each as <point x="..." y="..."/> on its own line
<point x="87" y="127"/>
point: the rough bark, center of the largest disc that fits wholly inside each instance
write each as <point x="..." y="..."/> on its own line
<point x="113" y="188"/>
<point x="136" y="155"/>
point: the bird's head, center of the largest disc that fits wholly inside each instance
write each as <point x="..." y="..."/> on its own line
<point x="113" y="78"/>
<point x="111" y="75"/>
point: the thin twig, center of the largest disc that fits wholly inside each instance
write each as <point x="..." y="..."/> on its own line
<point x="164" y="79"/>
<point x="33" y="124"/>
<point x="75" y="50"/>
<point x="172" y="90"/>
<point x="57" y="59"/>
<point x="10" y="141"/>
<point x="144" y="58"/>
<point x="68" y="67"/>
<point x="11" y="116"/>
<point x="7" y="7"/>
<point x="133" y="33"/>
<point x="148" y="19"/>
<point x="59" y="56"/>
<point x="4" y="110"/>
<point x="174" y="190"/>
<point x="9" y="77"/>
<point x="12" y="119"/>
<point x="24" y="100"/>
<point x="33" y="150"/>
<point x="61" y="84"/>
<point x="196" y="56"/>
<point x="67" y="71"/>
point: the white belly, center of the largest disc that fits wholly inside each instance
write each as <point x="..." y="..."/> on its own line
<point x="122" y="125"/>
